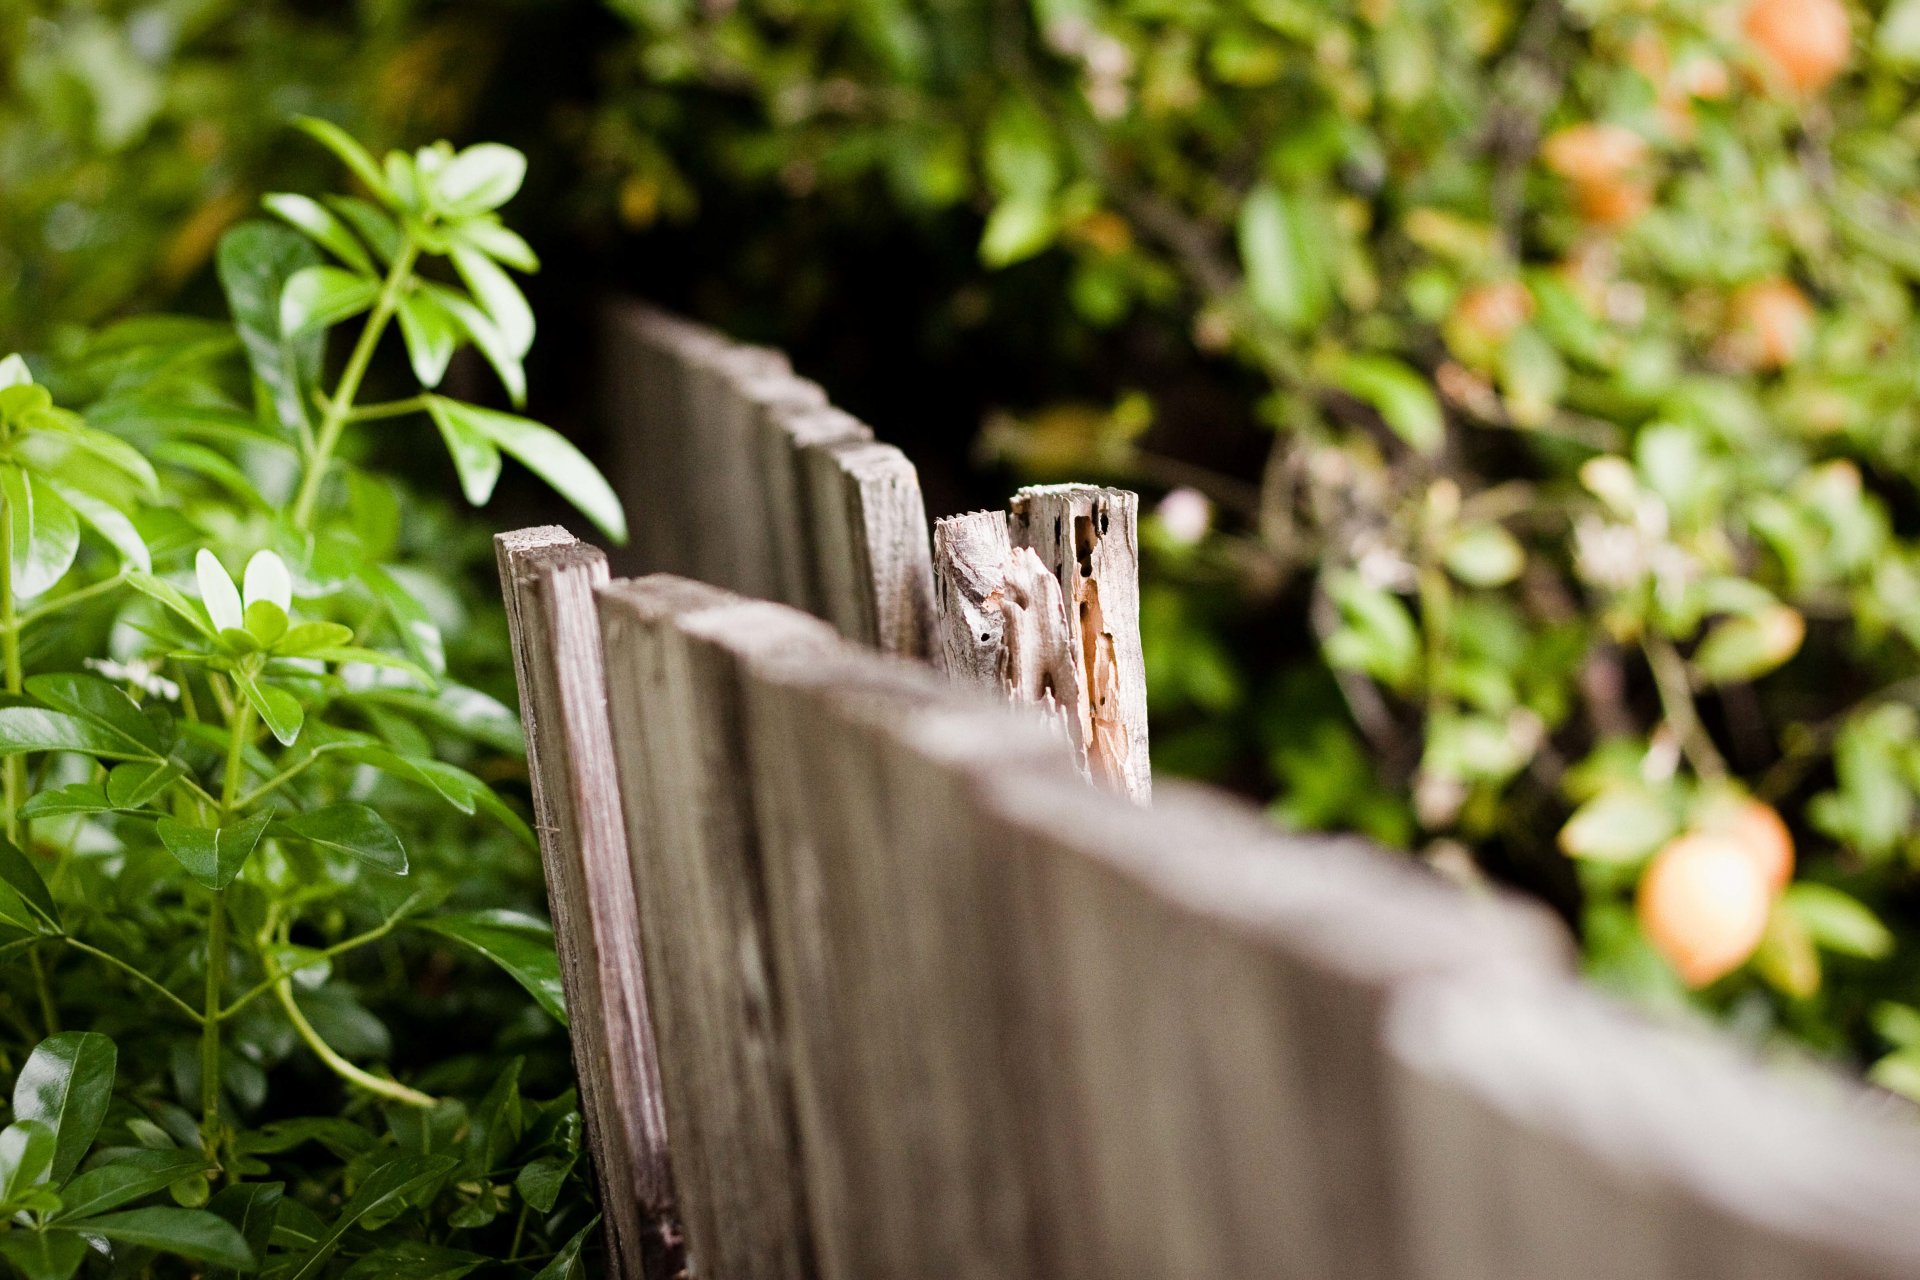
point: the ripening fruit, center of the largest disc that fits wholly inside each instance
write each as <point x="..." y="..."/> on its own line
<point x="1807" y="41"/>
<point x="1602" y="163"/>
<point x="1772" y="324"/>
<point x="1759" y="830"/>
<point x="1703" y="905"/>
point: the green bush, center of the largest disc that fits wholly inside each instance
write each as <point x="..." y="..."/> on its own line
<point x="1579" y="342"/>
<point x="249" y="828"/>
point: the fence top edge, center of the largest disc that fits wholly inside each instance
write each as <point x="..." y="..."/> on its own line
<point x="1339" y="901"/>
<point x="532" y="538"/>
<point x="1796" y="1148"/>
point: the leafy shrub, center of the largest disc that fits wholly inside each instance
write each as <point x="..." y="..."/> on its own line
<point x="246" y="821"/>
<point x="1580" y="341"/>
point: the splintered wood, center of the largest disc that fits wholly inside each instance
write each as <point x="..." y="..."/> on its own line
<point x="1045" y="606"/>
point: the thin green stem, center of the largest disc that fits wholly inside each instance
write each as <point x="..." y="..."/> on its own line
<point x="392" y="1090"/>
<point x="326" y="953"/>
<point x="340" y="406"/>
<point x="390" y="409"/>
<point x="67" y="601"/>
<point x="240" y="733"/>
<point x="143" y="979"/>
<point x="1675" y="688"/>
<point x="15" y="773"/>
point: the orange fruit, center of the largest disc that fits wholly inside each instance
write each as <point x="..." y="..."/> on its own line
<point x="1601" y="162"/>
<point x="1762" y="833"/>
<point x="1807" y="42"/>
<point x="1703" y="904"/>
<point x="1772" y="324"/>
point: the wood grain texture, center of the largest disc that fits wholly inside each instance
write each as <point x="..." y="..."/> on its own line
<point x="1204" y="1000"/>
<point x="1089" y="538"/>
<point x="788" y="429"/>
<point x="772" y="400"/>
<point x="866" y="776"/>
<point x="1545" y="1131"/>
<point x="870" y="542"/>
<point x="722" y="502"/>
<point x="673" y="685"/>
<point x="548" y="579"/>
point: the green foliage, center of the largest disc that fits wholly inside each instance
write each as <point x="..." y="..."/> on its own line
<point x="1579" y="342"/>
<point x="245" y="820"/>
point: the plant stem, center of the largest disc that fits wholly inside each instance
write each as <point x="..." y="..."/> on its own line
<point x="389" y="1089"/>
<point x="77" y="596"/>
<point x="391" y="409"/>
<point x="135" y="974"/>
<point x="240" y="733"/>
<point x="1676" y="701"/>
<point x="340" y="948"/>
<point x="340" y="407"/>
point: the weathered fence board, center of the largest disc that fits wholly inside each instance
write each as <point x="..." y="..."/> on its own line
<point x="1213" y="991"/>
<point x="870" y="543"/>
<point x="1543" y="1131"/>
<point x="672" y="677"/>
<point x="547" y="579"/>
<point x="1089" y="538"/>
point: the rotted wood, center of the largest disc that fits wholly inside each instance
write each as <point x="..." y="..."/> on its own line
<point x="673" y="648"/>
<point x="1002" y="621"/>
<point x="1087" y="537"/>
<point x="547" y="580"/>
<point x="870" y="543"/>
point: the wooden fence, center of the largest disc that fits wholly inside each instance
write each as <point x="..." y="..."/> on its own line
<point x="868" y="981"/>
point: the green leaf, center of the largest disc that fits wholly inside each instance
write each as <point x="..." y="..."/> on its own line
<point x="322" y="296"/>
<point x="520" y="944"/>
<point x="1404" y="399"/>
<point x="414" y="1260"/>
<point x="322" y="226"/>
<point x="351" y="153"/>
<point x="547" y="454"/>
<point x="129" y="1177"/>
<point x="75" y="797"/>
<point x="45" y="530"/>
<point x="1838" y="921"/>
<point x="541" y="1181"/>
<point x="249" y="1207"/>
<point x="173" y="599"/>
<point x="1287" y="273"/>
<point x="256" y="259"/>
<point x="18" y="874"/>
<point x="350" y="828"/>
<point x="310" y="637"/>
<point x="481" y="178"/>
<point x="109" y="522"/>
<point x="458" y="787"/>
<point x="1020" y="226"/>
<point x="431" y="335"/>
<point x="566" y="1265"/>
<point x="1748" y="645"/>
<point x="486" y="335"/>
<point x="374" y="224"/>
<point x="499" y="295"/>
<point x="26" y="1158"/>
<point x="102" y="704"/>
<point x="278" y="709"/>
<point x="66" y="1085"/>
<point x="14" y="372"/>
<point x="475" y="456"/>
<point x="491" y="238"/>
<point x="389" y="1183"/>
<point x="131" y="785"/>
<point x="1485" y="555"/>
<point x="416" y="626"/>
<point x="43" y="1255"/>
<point x="32" y="729"/>
<point x="213" y="855"/>
<point x="193" y="1234"/>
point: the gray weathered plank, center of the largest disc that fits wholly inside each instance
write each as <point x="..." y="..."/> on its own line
<point x="788" y="428"/>
<point x="723" y="504"/>
<point x="547" y="579"/>
<point x="1204" y="998"/>
<point x="891" y="950"/>
<point x="871" y="545"/>
<point x="771" y="399"/>
<point x="673" y="688"/>
<point x="1543" y="1130"/>
<point x="1088" y="537"/>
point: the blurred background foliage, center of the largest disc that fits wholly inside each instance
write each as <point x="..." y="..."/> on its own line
<point x="1526" y="389"/>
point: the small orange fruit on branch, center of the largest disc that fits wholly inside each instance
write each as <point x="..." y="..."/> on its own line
<point x="1603" y="164"/>
<point x="1807" y="42"/>
<point x="1703" y="904"/>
